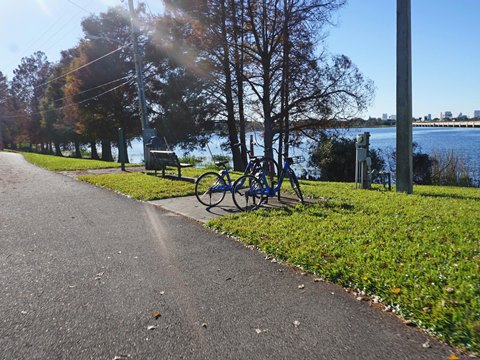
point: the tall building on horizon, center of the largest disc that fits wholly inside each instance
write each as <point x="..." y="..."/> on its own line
<point x="476" y="114"/>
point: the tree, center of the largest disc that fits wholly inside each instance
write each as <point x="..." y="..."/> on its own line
<point x="5" y="120"/>
<point x="210" y="35"/>
<point x="99" y="89"/>
<point x="28" y="87"/>
<point x="264" y="51"/>
<point x="176" y="93"/>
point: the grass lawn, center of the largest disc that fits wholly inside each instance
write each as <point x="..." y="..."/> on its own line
<point x="419" y="253"/>
<point x="141" y="186"/>
<point x="59" y="163"/>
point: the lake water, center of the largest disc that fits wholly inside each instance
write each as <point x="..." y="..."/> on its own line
<point x="464" y="142"/>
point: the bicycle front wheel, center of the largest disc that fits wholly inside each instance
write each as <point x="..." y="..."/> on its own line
<point x="210" y="189"/>
<point x="248" y="193"/>
<point x="295" y="185"/>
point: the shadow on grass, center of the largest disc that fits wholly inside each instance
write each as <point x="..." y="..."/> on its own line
<point x="451" y="196"/>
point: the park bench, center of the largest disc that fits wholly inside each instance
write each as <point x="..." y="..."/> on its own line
<point x="161" y="159"/>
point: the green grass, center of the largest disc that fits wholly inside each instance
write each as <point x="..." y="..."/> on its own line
<point x="419" y="253"/>
<point x="146" y="187"/>
<point x="141" y="186"/>
<point x="59" y="163"/>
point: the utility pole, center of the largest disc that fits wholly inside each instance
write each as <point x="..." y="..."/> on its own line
<point x="404" y="172"/>
<point x="147" y="132"/>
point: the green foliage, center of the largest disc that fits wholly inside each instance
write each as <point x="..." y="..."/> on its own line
<point x="335" y="157"/>
<point x="420" y="253"/>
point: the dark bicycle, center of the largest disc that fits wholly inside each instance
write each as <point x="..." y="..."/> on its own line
<point x="251" y="191"/>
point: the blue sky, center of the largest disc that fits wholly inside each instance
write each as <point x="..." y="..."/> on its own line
<point x="445" y="45"/>
<point x="445" y="52"/>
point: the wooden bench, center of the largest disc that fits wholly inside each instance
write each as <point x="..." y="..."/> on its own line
<point x="162" y="159"/>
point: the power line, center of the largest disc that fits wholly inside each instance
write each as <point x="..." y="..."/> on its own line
<point x="96" y="87"/>
<point x="70" y="105"/>
<point x="83" y="66"/>
<point x="78" y="6"/>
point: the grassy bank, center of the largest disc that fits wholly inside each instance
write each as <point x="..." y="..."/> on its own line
<point x="141" y="186"/>
<point x="59" y="163"/>
<point x="419" y="253"/>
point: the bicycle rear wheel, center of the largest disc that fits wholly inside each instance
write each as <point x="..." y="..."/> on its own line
<point x="210" y="189"/>
<point x="295" y="185"/>
<point x="247" y="193"/>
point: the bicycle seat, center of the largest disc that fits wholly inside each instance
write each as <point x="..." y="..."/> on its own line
<point x="221" y="163"/>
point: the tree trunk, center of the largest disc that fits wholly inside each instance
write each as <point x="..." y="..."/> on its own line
<point x="58" y="151"/>
<point x="106" y="151"/>
<point x="78" y="153"/>
<point x="93" y="150"/>
<point x="238" y="61"/>
<point x="285" y="81"/>
<point x="232" y="129"/>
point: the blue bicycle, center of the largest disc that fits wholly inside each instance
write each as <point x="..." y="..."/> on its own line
<point x="250" y="191"/>
<point x="211" y="187"/>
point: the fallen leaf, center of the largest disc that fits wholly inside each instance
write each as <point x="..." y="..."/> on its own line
<point x="99" y="275"/>
<point x="258" y="331"/>
<point x="302" y="286"/>
<point x="453" y="357"/>
<point x="426" y="345"/>
<point x="410" y="323"/>
<point x="122" y="357"/>
<point x="156" y="314"/>
<point x="204" y="325"/>
<point x="296" y="323"/>
<point x="151" y="327"/>
<point x="396" y="291"/>
<point x="449" y="290"/>
<point x="162" y="292"/>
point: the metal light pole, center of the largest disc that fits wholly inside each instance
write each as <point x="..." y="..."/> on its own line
<point x="404" y="159"/>
<point x="147" y="132"/>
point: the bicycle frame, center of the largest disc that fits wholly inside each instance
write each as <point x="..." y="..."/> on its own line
<point x="271" y="191"/>
<point x="225" y="174"/>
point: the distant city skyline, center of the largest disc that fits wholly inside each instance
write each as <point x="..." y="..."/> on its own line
<point x="445" y="49"/>
<point x="442" y="115"/>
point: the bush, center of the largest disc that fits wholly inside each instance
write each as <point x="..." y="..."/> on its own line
<point x="450" y="169"/>
<point x="335" y="158"/>
<point x="447" y="169"/>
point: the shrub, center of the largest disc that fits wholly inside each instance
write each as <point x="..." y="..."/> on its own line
<point x="335" y="158"/>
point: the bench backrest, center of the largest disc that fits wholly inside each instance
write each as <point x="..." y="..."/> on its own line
<point x="165" y="157"/>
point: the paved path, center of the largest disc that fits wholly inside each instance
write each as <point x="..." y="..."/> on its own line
<point x="85" y="271"/>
